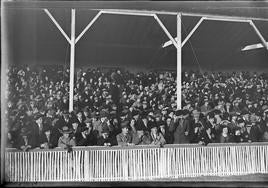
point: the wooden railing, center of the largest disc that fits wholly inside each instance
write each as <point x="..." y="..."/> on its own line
<point x="135" y="163"/>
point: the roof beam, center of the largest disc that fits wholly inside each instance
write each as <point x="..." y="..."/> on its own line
<point x="150" y="12"/>
<point x="224" y="17"/>
<point x="134" y="13"/>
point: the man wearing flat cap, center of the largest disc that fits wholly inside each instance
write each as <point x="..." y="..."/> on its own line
<point x="124" y="138"/>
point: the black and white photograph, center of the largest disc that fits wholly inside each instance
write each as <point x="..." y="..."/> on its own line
<point x="134" y="93"/>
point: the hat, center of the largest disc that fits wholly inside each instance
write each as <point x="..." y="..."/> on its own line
<point x="135" y="112"/>
<point x="65" y="112"/>
<point x="139" y="126"/>
<point x="158" y="115"/>
<point x="104" y="113"/>
<point x="178" y="112"/>
<point x="144" y="115"/>
<point x="185" y="112"/>
<point x="124" y="112"/>
<point x="217" y="112"/>
<point x="38" y="98"/>
<point x="105" y="130"/>
<point x="240" y="121"/>
<point x="152" y="124"/>
<point x="253" y="119"/>
<point x="84" y="128"/>
<point x="87" y="120"/>
<point x="37" y="116"/>
<point x="24" y="132"/>
<point x="244" y="112"/>
<point x="124" y="124"/>
<point x="210" y="115"/>
<point x="225" y="116"/>
<point x="195" y="112"/>
<point x="113" y="113"/>
<point x="86" y="109"/>
<point x="74" y="120"/>
<point x="65" y="130"/>
<point x="47" y="128"/>
<point x="94" y="114"/>
<point x="265" y="111"/>
<point x="161" y="123"/>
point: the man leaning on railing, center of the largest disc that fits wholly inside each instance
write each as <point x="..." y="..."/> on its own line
<point x="66" y="141"/>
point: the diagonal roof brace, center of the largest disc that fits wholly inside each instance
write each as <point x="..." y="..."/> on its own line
<point x="259" y="34"/>
<point x="253" y="46"/>
<point x="57" y="25"/>
<point x="166" y="31"/>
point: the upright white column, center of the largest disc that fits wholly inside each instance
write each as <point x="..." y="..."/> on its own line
<point x="72" y="58"/>
<point x="179" y="61"/>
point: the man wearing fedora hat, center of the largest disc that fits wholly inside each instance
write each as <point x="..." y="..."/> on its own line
<point x="66" y="141"/>
<point x="165" y="132"/>
<point x="38" y="129"/>
<point x="181" y="128"/>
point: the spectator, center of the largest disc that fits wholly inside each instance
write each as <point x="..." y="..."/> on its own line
<point x="10" y="140"/>
<point x="37" y="130"/>
<point x="165" y="132"/>
<point x="25" y="141"/>
<point x="225" y="136"/>
<point x="141" y="137"/>
<point x="124" y="138"/>
<point x="66" y="141"/>
<point x="48" y="140"/>
<point x="105" y="139"/>
<point x="76" y="129"/>
<point x="180" y="129"/>
<point x="210" y="124"/>
<point x="157" y="137"/>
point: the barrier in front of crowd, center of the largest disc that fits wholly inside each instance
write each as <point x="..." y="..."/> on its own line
<point x="135" y="163"/>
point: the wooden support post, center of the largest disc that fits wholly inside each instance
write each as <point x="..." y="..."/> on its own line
<point x="72" y="58"/>
<point x="179" y="65"/>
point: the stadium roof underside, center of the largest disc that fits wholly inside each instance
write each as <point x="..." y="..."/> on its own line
<point x="136" y="41"/>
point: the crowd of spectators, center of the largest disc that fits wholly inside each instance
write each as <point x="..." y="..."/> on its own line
<point x="116" y="107"/>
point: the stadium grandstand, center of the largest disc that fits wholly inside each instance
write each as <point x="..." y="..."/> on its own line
<point x="133" y="91"/>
